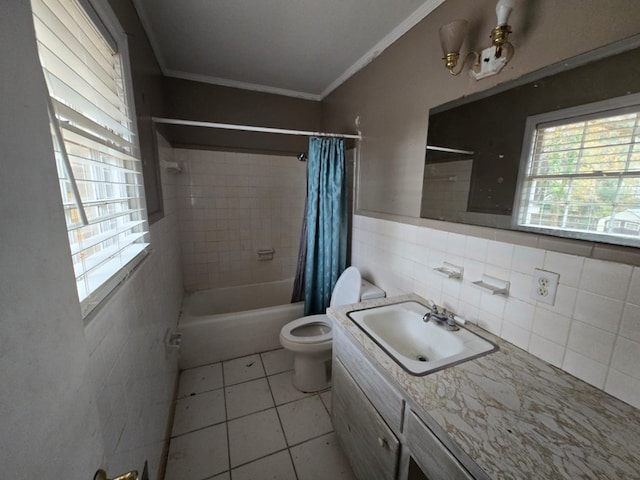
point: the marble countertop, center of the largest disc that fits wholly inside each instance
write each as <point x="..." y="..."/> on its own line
<point x="515" y="415"/>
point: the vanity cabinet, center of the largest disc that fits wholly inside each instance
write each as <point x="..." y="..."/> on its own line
<point x="381" y="435"/>
<point x="371" y="446"/>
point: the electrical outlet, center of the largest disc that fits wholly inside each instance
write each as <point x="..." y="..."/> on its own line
<point x="545" y="286"/>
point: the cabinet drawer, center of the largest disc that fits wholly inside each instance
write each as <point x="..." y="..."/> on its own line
<point x="433" y="457"/>
<point x="377" y="389"/>
<point x="370" y="445"/>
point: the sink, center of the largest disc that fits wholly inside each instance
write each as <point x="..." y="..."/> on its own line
<point x="418" y="347"/>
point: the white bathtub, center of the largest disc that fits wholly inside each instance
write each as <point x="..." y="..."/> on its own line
<point x="231" y="322"/>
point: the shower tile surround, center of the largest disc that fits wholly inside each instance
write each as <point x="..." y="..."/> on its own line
<point x="231" y="205"/>
<point x="592" y="331"/>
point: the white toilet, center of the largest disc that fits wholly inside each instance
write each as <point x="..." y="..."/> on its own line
<point x="310" y="338"/>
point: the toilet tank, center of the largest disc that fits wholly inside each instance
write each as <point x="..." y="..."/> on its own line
<point x="369" y="291"/>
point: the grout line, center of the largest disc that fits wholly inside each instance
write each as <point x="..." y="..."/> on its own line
<point x="295" y="471"/>
<point x="226" y="423"/>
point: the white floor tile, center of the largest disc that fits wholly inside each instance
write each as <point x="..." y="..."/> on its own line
<point x="242" y="369"/>
<point x="326" y="399"/>
<point x="199" y="454"/>
<point x="320" y="459"/>
<point x="277" y="361"/>
<point x="198" y="411"/>
<point x="283" y="389"/>
<point x="248" y="397"/>
<point x="254" y="436"/>
<point x="200" y="379"/>
<point x="304" y="419"/>
<point x="274" y="467"/>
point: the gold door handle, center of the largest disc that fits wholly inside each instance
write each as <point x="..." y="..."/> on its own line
<point x="102" y="475"/>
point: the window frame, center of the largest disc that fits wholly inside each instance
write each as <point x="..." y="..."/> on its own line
<point x="107" y="24"/>
<point x="594" y="110"/>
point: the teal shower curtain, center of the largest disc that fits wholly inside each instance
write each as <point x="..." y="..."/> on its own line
<point x="326" y="221"/>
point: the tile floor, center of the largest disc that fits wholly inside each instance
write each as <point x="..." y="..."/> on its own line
<point x="242" y="419"/>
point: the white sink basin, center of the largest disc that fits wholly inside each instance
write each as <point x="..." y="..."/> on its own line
<point x="417" y="346"/>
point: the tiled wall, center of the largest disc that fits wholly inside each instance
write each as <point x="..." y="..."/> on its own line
<point x="230" y="206"/>
<point x="592" y="331"/>
<point x="131" y="373"/>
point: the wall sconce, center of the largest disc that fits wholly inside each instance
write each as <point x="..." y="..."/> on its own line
<point x="492" y="59"/>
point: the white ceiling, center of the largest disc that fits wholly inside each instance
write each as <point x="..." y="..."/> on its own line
<point x="301" y="48"/>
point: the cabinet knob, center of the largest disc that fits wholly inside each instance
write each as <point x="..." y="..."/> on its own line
<point x="382" y="442"/>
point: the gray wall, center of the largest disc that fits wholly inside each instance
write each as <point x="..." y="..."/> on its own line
<point x="50" y="426"/>
<point x="76" y="394"/>
<point x="191" y="100"/>
<point x="394" y="93"/>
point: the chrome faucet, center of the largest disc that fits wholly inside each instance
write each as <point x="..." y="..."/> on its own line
<point x="442" y="318"/>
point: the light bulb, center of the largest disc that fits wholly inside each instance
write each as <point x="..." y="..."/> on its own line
<point x="503" y="10"/>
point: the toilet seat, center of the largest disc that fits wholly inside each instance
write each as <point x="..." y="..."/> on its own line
<point x="288" y="331"/>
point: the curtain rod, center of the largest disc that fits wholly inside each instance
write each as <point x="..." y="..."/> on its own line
<point x="249" y="128"/>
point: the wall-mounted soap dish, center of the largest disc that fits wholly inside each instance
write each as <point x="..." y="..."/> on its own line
<point x="450" y="270"/>
<point x="493" y="285"/>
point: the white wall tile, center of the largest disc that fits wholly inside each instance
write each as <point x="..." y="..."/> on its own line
<point x="633" y="296"/>
<point x="243" y="202"/>
<point x="499" y="254"/>
<point x="569" y="267"/>
<point x="546" y="350"/>
<point x="601" y="312"/>
<point x="526" y="259"/>
<point x="630" y="327"/>
<point x="626" y="357"/>
<point x="519" y="313"/>
<point x="565" y="301"/>
<point x="606" y="278"/>
<point x="592" y="342"/>
<point x="515" y="334"/>
<point x="623" y="387"/>
<point x="551" y="326"/>
<point x="520" y="287"/>
<point x="456" y="244"/>
<point x="585" y="368"/>
<point x="476" y="248"/>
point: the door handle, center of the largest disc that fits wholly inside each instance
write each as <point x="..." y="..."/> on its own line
<point x="102" y="475"/>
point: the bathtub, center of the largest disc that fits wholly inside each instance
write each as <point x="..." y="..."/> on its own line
<point x="231" y="322"/>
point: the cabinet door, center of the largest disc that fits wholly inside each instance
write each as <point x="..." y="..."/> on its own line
<point x="430" y="454"/>
<point x="371" y="446"/>
<point x="385" y="399"/>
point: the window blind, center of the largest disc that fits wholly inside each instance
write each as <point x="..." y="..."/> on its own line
<point x="583" y="175"/>
<point x="95" y="147"/>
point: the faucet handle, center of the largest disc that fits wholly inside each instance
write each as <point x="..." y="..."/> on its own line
<point x="431" y="305"/>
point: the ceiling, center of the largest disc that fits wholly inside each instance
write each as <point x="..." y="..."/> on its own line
<point x="300" y="48"/>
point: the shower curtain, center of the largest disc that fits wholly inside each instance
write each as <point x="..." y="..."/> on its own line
<point x="326" y="219"/>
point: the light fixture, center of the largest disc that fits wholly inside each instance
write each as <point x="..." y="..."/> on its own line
<point x="492" y="59"/>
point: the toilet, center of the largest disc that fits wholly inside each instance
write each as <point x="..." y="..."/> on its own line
<point x="310" y="338"/>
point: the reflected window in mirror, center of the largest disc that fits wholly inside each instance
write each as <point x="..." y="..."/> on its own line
<point x="473" y="169"/>
<point x="581" y="172"/>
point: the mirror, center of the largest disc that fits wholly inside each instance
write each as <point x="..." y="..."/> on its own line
<point x="474" y="144"/>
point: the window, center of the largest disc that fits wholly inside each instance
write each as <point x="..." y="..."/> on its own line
<point x="582" y="172"/>
<point x="95" y="143"/>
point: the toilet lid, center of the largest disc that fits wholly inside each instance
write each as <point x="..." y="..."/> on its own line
<point x="311" y="329"/>
<point x="347" y="289"/>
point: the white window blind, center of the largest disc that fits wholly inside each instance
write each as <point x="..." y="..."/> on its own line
<point x="583" y="176"/>
<point x="99" y="170"/>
